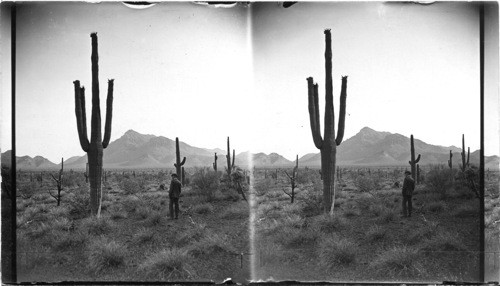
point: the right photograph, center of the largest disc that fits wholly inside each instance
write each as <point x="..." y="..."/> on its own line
<point x="379" y="105"/>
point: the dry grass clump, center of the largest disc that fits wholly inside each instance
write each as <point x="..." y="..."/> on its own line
<point x="399" y="261"/>
<point x="236" y="211"/>
<point x="97" y="226"/>
<point x="334" y="251"/>
<point x="204" y="208"/>
<point x="104" y="255"/>
<point x="168" y="264"/>
<point x="144" y="235"/>
<point x="468" y="210"/>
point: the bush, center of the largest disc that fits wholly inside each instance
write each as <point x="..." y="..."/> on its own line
<point x="236" y="211"/>
<point x="262" y="186"/>
<point x="308" y="176"/>
<point x="376" y="233"/>
<point x="96" y="226"/>
<point x="143" y="235"/>
<point x="399" y="260"/>
<point x="130" y="186"/>
<point x="366" y="183"/>
<point x="292" y="237"/>
<point x="210" y="243"/>
<point x="167" y="264"/>
<point x="104" y="254"/>
<point x="203" y="208"/>
<point x="439" y="180"/>
<point x="79" y="205"/>
<point x="206" y="182"/>
<point x="329" y="224"/>
<point x="334" y="251"/>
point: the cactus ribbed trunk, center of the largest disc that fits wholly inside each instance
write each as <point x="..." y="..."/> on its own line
<point x="465" y="163"/>
<point x="215" y="162"/>
<point x="94" y="148"/>
<point x="230" y="164"/>
<point x="328" y="145"/>
<point x="413" y="162"/>
<point x="178" y="163"/>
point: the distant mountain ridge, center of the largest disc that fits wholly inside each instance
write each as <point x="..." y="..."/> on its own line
<point x="367" y="148"/>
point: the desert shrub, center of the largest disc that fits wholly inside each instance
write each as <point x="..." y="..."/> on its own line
<point x="262" y="186"/>
<point x="466" y="210"/>
<point x="131" y="204"/>
<point x="444" y="241"/>
<point x="203" y="208"/>
<point x="70" y="241"/>
<point x="334" y="251"/>
<point x="79" y="204"/>
<point x="72" y="179"/>
<point x="195" y="233"/>
<point x="292" y="221"/>
<point x="104" y="255"/>
<point x="27" y="190"/>
<point x="166" y="264"/>
<point x="399" y="260"/>
<point x="292" y="237"/>
<point x="330" y="224"/>
<point x="143" y="211"/>
<point x="210" y="243"/>
<point x="96" y="226"/>
<point x="206" y="182"/>
<point x="130" y="186"/>
<point x="418" y="235"/>
<point x="439" y="180"/>
<point x="376" y="233"/>
<point x="366" y="183"/>
<point x="312" y="199"/>
<point x="308" y="176"/>
<point x="154" y="218"/>
<point x="236" y="211"/>
<point x="436" y="206"/>
<point x="143" y="235"/>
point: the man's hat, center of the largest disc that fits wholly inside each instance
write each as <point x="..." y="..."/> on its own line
<point x="174" y="175"/>
<point x="407" y="173"/>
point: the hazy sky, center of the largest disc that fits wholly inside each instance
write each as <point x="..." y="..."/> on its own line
<point x="202" y="73"/>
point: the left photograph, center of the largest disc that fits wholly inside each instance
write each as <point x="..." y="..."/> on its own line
<point x="130" y="127"/>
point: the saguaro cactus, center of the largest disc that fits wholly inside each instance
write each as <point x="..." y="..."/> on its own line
<point x="413" y="162"/>
<point x="328" y="145"/>
<point x="450" y="162"/>
<point x="214" y="164"/>
<point x="418" y="174"/>
<point x="94" y="148"/>
<point x="178" y="163"/>
<point x="465" y="163"/>
<point x="228" y="157"/>
<point x="59" y="181"/>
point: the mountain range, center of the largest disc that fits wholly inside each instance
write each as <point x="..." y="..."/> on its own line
<point x="367" y="148"/>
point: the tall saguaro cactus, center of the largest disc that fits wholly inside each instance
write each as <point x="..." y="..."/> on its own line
<point x="465" y="163"/>
<point x="214" y="164"/>
<point x="413" y="162"/>
<point x="178" y="163"/>
<point x="95" y="147"/>
<point x="328" y="145"/>
<point x="450" y="162"/>
<point x="228" y="157"/>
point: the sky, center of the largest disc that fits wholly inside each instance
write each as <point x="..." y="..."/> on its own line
<point x="203" y="73"/>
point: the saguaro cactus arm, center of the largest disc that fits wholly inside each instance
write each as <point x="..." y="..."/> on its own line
<point x="314" y="112"/>
<point x="234" y="156"/>
<point x="450" y="162"/>
<point x="81" y="117"/>
<point x="343" y="96"/>
<point x="109" y="114"/>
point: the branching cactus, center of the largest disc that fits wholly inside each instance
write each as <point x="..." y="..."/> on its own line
<point x="413" y="162"/>
<point x="95" y="147"/>
<point x="465" y="163"/>
<point x="59" y="181"/>
<point x="230" y="165"/>
<point x="178" y="165"/>
<point x="328" y="145"/>
<point x="214" y="164"/>
<point x="293" y="179"/>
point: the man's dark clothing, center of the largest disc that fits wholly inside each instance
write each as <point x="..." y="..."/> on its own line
<point x="174" y="193"/>
<point x="408" y="187"/>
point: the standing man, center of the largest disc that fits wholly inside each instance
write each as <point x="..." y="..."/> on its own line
<point x="174" y="193"/>
<point x="408" y="187"/>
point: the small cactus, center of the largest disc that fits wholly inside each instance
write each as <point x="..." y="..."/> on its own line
<point x="465" y="163"/>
